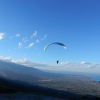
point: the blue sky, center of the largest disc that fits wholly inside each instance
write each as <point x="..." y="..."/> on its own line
<point x="27" y="26"/>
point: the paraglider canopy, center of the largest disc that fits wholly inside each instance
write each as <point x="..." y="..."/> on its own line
<point x="57" y="43"/>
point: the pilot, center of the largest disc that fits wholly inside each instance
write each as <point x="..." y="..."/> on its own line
<point x="57" y="61"/>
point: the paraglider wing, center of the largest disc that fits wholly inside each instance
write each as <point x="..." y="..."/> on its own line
<point x="57" y="43"/>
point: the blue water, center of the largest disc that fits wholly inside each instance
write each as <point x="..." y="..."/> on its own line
<point x="94" y="76"/>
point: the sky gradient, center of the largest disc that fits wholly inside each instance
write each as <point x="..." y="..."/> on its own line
<point x="27" y="26"/>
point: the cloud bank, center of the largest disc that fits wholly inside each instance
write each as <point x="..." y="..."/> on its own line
<point x="63" y="66"/>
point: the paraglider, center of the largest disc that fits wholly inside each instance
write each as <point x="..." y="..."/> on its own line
<point x="57" y="43"/>
<point x="57" y="61"/>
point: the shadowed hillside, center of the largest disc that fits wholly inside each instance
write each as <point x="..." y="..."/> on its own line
<point x="12" y="86"/>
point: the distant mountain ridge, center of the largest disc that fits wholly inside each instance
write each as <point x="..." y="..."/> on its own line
<point x="17" y="67"/>
<point x="20" y="72"/>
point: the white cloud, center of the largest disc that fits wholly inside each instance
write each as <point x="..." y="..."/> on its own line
<point x="30" y="45"/>
<point x="28" y="63"/>
<point x="17" y="35"/>
<point x="82" y="66"/>
<point x="25" y="39"/>
<point x="37" y="40"/>
<point x="84" y="62"/>
<point x="20" y="61"/>
<point x="87" y="66"/>
<point x="20" y="45"/>
<point x="5" y="58"/>
<point x="90" y="66"/>
<point x="1" y="36"/>
<point x="44" y="37"/>
<point x="34" y="34"/>
<point x="64" y="63"/>
<point x="63" y="66"/>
